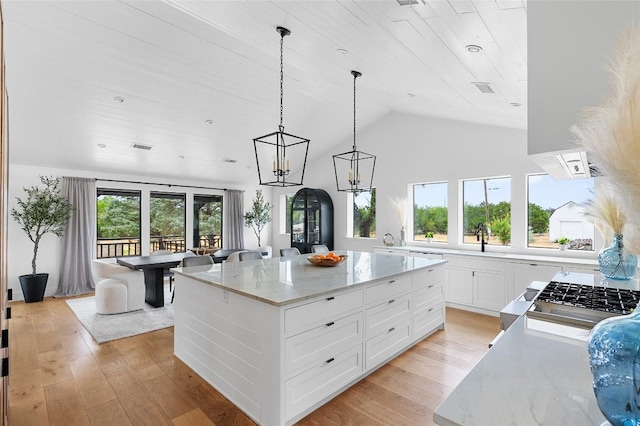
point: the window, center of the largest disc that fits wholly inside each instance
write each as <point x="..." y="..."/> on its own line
<point x="167" y="214"/>
<point x="555" y="211"/>
<point x="430" y="212"/>
<point x="487" y="204"/>
<point x="118" y="223"/>
<point x="285" y="213"/>
<point x="207" y="221"/>
<point x="364" y="214"/>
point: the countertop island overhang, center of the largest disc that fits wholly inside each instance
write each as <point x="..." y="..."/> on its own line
<point x="279" y="337"/>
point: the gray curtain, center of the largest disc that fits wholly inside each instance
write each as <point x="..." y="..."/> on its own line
<point x="234" y="221"/>
<point x="78" y="241"/>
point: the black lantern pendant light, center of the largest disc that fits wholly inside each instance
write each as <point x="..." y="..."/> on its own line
<point x="354" y="169"/>
<point x="280" y="156"/>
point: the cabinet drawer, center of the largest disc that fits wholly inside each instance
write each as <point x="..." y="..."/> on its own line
<point x="428" y="320"/>
<point x="392" y="251"/>
<point x="318" y="344"/>
<point x="387" y="290"/>
<point x="320" y="381"/>
<point x="386" y="315"/>
<point x="321" y="311"/>
<point x="428" y="278"/>
<point x="427" y="298"/>
<point x="476" y="264"/>
<point x="387" y="344"/>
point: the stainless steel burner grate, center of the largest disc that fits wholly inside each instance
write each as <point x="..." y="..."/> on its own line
<point x="613" y="300"/>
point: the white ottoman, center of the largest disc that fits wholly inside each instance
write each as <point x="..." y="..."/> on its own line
<point x="111" y="297"/>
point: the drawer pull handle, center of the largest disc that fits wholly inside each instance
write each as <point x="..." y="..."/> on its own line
<point x="392" y="300"/>
<point x="330" y="298"/>
<point x="430" y="309"/>
<point x="430" y="270"/>
<point x="392" y="281"/>
<point x="430" y="286"/>
<point x="330" y="324"/>
<point x="330" y="360"/>
<point x="391" y="329"/>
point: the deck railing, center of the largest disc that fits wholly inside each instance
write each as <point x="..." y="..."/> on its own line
<point x="116" y="247"/>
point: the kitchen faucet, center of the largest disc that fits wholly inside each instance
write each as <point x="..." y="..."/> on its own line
<point x="480" y="230"/>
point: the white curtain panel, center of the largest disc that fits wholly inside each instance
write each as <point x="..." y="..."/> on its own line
<point x="233" y="236"/>
<point x="78" y="241"/>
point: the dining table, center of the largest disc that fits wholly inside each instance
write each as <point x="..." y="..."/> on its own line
<point x="153" y="268"/>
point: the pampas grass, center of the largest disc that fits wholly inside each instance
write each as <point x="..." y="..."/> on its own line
<point x="611" y="132"/>
<point x="400" y="206"/>
<point x="606" y="214"/>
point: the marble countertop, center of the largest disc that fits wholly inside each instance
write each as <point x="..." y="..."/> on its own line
<point x="280" y="281"/>
<point x="537" y="373"/>
<point x="495" y="255"/>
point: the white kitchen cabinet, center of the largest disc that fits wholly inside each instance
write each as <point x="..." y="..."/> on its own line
<point x="586" y="269"/>
<point x="477" y="283"/>
<point x="522" y="274"/>
<point x="437" y="256"/>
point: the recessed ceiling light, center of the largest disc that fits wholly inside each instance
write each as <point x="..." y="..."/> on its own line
<point x="473" y="48"/>
<point x="101" y="145"/>
<point x="411" y="95"/>
<point x="209" y="122"/>
<point x="119" y="99"/>
<point x="343" y="51"/>
<point x="181" y="157"/>
<point x="516" y="104"/>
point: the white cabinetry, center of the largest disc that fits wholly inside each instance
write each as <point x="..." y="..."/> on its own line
<point x="524" y="273"/>
<point x="477" y="283"/>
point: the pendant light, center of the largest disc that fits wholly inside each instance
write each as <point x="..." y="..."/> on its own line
<point x="281" y="156"/>
<point x="354" y="169"/>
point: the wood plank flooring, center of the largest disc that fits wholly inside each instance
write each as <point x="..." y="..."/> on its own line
<point x="60" y="376"/>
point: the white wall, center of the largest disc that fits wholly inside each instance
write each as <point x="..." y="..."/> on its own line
<point x="413" y="149"/>
<point x="49" y="253"/>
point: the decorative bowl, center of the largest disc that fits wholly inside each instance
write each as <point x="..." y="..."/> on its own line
<point x="319" y="260"/>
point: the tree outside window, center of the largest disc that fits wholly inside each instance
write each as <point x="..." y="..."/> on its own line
<point x="430" y="212"/>
<point x="118" y="223"/>
<point x="487" y="203"/>
<point x="364" y="214"/>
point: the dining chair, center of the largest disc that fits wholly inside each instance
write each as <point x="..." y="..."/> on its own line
<point x="319" y="248"/>
<point x="250" y="255"/>
<point x="167" y="273"/>
<point x="289" y="252"/>
<point x="234" y="257"/>
<point x="204" y="261"/>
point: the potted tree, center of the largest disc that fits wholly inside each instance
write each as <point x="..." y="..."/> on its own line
<point x="259" y="215"/>
<point x="43" y="210"/>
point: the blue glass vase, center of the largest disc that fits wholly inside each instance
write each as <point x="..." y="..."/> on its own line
<point x="616" y="262"/>
<point x="614" y="357"/>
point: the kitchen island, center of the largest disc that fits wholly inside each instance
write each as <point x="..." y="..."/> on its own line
<point x="279" y="337"/>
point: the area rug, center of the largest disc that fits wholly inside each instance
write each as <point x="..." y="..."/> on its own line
<point x="104" y="328"/>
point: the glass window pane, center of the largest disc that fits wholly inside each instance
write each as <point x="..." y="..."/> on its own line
<point x="555" y="211"/>
<point x="207" y="221"/>
<point x="430" y="212"/>
<point x="364" y="214"/>
<point x="487" y="205"/>
<point x="167" y="214"/>
<point x="118" y="223"/>
<point x="285" y="213"/>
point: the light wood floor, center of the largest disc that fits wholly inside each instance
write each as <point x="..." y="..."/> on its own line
<point x="60" y="376"/>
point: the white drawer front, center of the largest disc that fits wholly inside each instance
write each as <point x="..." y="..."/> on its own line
<point x="428" y="278"/>
<point x="387" y="344"/>
<point x="428" y="320"/>
<point x="320" y="381"/>
<point x="322" y="311"/>
<point x="382" y="317"/>
<point x="427" y="298"/>
<point x="318" y="344"/>
<point x="387" y="290"/>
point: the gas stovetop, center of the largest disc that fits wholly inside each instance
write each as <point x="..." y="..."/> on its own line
<point x="581" y="304"/>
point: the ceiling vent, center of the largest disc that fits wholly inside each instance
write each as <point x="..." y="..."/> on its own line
<point x="229" y="160"/>
<point x="408" y="2"/>
<point x="142" y="146"/>
<point x="483" y="87"/>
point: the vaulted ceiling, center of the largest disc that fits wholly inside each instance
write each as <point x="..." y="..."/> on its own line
<point x="198" y="80"/>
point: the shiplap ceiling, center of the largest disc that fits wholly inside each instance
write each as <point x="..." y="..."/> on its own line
<point x="178" y="64"/>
